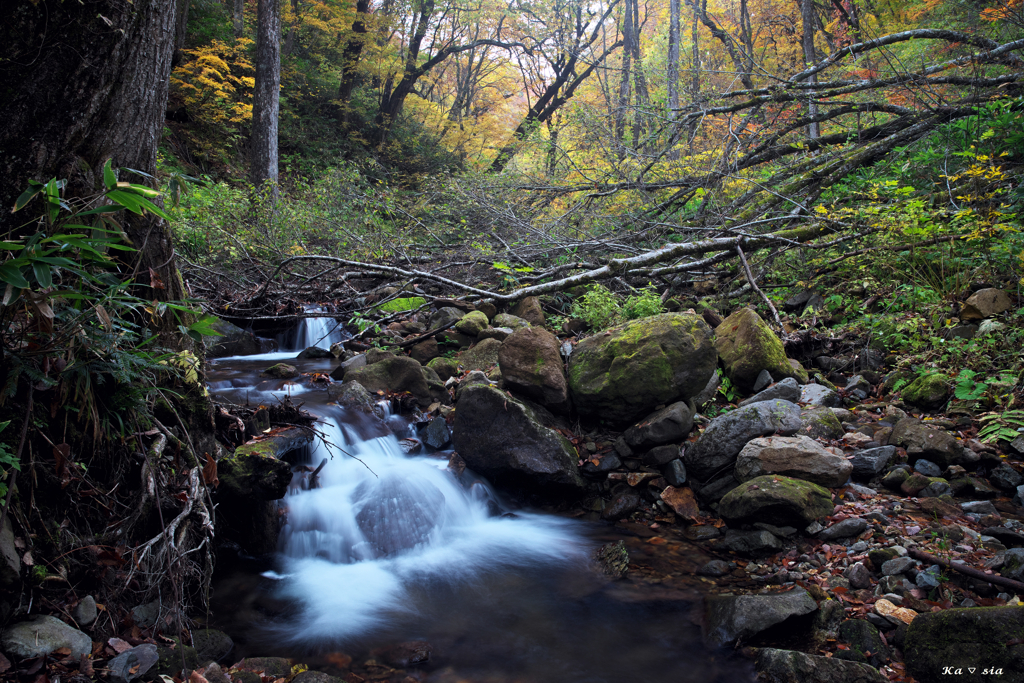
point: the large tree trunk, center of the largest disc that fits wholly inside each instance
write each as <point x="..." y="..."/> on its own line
<point x="266" y="98"/>
<point x="85" y="82"/>
<point x="238" y="17"/>
<point x="807" y="17"/>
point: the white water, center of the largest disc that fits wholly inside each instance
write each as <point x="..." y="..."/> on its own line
<point x="357" y="549"/>
<point x="320" y="332"/>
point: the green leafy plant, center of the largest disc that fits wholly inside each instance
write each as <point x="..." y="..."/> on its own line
<point x="399" y="305"/>
<point x="598" y="307"/>
<point x="967" y="387"/>
<point x="727" y="389"/>
<point x="7" y="460"/>
<point x="642" y="305"/>
<point x="1001" y="426"/>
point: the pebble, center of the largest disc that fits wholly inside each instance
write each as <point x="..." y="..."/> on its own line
<point x="859" y="547"/>
<point x="897" y="565"/>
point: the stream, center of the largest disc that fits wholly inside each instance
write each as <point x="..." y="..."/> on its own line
<point x="392" y="548"/>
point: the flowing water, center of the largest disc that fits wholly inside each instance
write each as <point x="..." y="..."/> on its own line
<point x="388" y="548"/>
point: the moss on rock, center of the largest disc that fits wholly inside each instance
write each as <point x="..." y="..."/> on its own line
<point x="928" y="392"/>
<point x="747" y="346"/>
<point x="776" y="499"/>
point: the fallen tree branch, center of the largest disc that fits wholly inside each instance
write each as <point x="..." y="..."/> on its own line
<point x="753" y="286"/>
<point x="962" y="568"/>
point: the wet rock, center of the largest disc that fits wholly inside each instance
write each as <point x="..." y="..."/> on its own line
<point x="437" y="433"/>
<point x="660" y="455"/>
<point x="674" y="473"/>
<point x="754" y="543"/>
<point x="398" y="513"/>
<point x="820" y="423"/>
<point x="408" y="654"/>
<point x="868" y="463"/>
<point x="854" y="526"/>
<point x="927" y="468"/>
<point x="426" y="351"/>
<point x="314" y="353"/>
<point x="630" y="369"/>
<point x="936" y="488"/>
<point x="714" y="568"/>
<point x="85" y="611"/>
<point x="819" y="396"/>
<point x="922" y="441"/>
<point x="254" y="472"/>
<point x="531" y="366"/>
<point x="787" y="666"/>
<point x="482" y="356"/>
<point x="621" y="505"/>
<point x="503" y="439"/>
<point x="668" y="425"/>
<point x="447" y="315"/>
<point x="732" y="618"/>
<point x="763" y="380"/>
<point x="133" y="663"/>
<point x="280" y="371"/>
<point x="529" y="310"/>
<point x="472" y="324"/>
<point x="713" y="490"/>
<point x="681" y="501"/>
<point x="10" y="562"/>
<point x="985" y="303"/>
<point x="398" y="374"/>
<point x="351" y="395"/>
<point x="604" y="465"/>
<point x="927" y="392"/>
<point x="983" y="637"/>
<point x="786" y="390"/>
<point x="613" y="559"/>
<point x="776" y="499"/>
<point x="510" y="321"/>
<point x="212" y="645"/>
<point x="445" y="368"/>
<point x="40" y="635"/>
<point x="794" y="456"/>
<point x="357" y="361"/>
<point x="234" y="341"/>
<point x="894" y="479"/>
<point x="726" y="435"/>
<point x="858" y="576"/>
<point x="864" y="638"/>
<point x="929" y="579"/>
<point x="1005" y="477"/>
<point x="747" y="345"/>
<point x="701" y="532"/>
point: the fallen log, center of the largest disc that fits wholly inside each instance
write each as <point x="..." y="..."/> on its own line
<point x="962" y="568"/>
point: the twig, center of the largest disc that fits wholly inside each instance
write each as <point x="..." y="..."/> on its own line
<point x="753" y="286"/>
<point x="426" y="335"/>
<point x="967" y="571"/>
<point x="17" y="457"/>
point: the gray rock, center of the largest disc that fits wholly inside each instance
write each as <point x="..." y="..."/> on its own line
<point x="776" y="499"/>
<point x="714" y="568"/>
<point x="870" y="462"/>
<point x="437" y="433"/>
<point x="858" y="383"/>
<point x="715" y="489"/>
<point x="622" y="505"/>
<point x="897" y="565"/>
<point x="661" y="455"/>
<point x="10" y="562"/>
<point x="751" y="542"/>
<point x="936" y="489"/>
<point x="509" y="321"/>
<point x="817" y="395"/>
<point x="351" y="395"/>
<point x="847" y="528"/>
<point x="788" y="666"/>
<point x="780" y="531"/>
<point x="763" y="380"/>
<point x="1013" y="564"/>
<point x="959" y="332"/>
<point x="234" y="341"/>
<point x="503" y="439"/>
<point x="793" y="456"/>
<point x="732" y="618"/>
<point x="499" y="333"/>
<point x="445" y="316"/>
<point x="797" y="302"/>
<point x="212" y="645"/>
<point x="820" y="423"/>
<point x="858" y="576"/>
<point x="133" y="663"/>
<point x="1005" y="477"/>
<point x="786" y="390"/>
<point x="482" y="356"/>
<point x="864" y="638"/>
<point x="1018" y="444"/>
<point x="962" y="638"/>
<point x="929" y="579"/>
<point x="85" y="612"/>
<point x="604" y="465"/>
<point x="674" y="473"/>
<point x="727" y="434"/>
<point x="40" y="635"/>
<point x="313" y="353"/>
<point x="927" y="468"/>
<point x="922" y="441"/>
<point x="985" y="303"/>
<point x="709" y="392"/>
<point x="668" y="425"/>
<point x="980" y="507"/>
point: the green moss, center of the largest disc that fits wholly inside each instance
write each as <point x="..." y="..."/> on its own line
<point x="929" y="391"/>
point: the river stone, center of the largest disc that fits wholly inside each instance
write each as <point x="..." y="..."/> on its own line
<point x="482" y="356"/>
<point x="674" y="473"/>
<point x="985" y="303"/>
<point x="714" y="568"/>
<point x="731" y="618"/>
<point x="613" y="559"/>
<point x="426" y="351"/>
<point x="445" y="316"/>
<point x="398" y="374"/>
<point x="314" y="353"/>
<point x="133" y="663"/>
<point x="776" y="499"/>
<point x="927" y="392"/>
<point x="472" y="324"/>
<point x="754" y="543"/>
<point x="847" y="528"/>
<point x="531" y="366"/>
<point x="858" y="575"/>
<point x="437" y="433"/>
<point x="709" y="392"/>
<point x="212" y="645"/>
<point x="747" y="346"/>
<point x="819" y="396"/>
<point x="869" y="463"/>
<point x="397" y="513"/>
<point x="927" y="468"/>
<point x="529" y="310"/>
<point x="10" y="561"/>
<point x="1005" y="477"/>
<point x="820" y="423"/>
<point x="85" y="611"/>
<point x="727" y="434"/>
<point x="668" y="425"/>
<point x="512" y="322"/>
<point x="445" y="368"/>
<point x="763" y="380"/>
<point x="499" y="333"/>
<point x="626" y="371"/>
<point x="40" y="635"/>
<point x="794" y="456"/>
<point x="621" y="505"/>
<point x="787" y="390"/>
<point x="788" y="666"/>
<point x="280" y="371"/>
<point x="234" y="341"/>
<point x="1013" y="564"/>
<point x="922" y="441"/>
<point x="351" y="395"/>
<point x="983" y="637"/>
<point x="863" y="637"/>
<point x="253" y="475"/>
<point x="504" y="440"/>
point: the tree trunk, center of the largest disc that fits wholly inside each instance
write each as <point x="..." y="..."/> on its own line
<point x="350" y="59"/>
<point x="180" y="29"/>
<point x="266" y="98"/>
<point x="85" y="82"/>
<point x="672" y="75"/>
<point x="643" y="100"/>
<point x="807" y="17"/>
<point x="624" y="78"/>
<point x="289" y="42"/>
<point x="694" y="76"/>
<point x="238" y="17"/>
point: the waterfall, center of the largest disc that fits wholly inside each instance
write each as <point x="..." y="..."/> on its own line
<point x="318" y="331"/>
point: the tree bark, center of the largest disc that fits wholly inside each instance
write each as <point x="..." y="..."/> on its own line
<point x="672" y="75"/>
<point x="350" y="59"/>
<point x="238" y="17"/>
<point x="180" y="29"/>
<point x="266" y="98"/>
<point x="289" y="43"/>
<point x="807" y="17"/>
<point x="625" y="82"/>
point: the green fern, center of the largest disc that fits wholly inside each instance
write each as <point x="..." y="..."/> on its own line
<point x="1001" y="426"/>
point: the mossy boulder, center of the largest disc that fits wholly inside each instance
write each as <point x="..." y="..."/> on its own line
<point x="483" y="355"/>
<point x="444" y="367"/>
<point x="508" y="320"/>
<point x="472" y="324"/>
<point x="351" y="395"/>
<point x="624" y="372"/>
<point x="280" y="371"/>
<point x="820" y="423"/>
<point x="747" y="346"/>
<point x="928" y="392"/>
<point x="397" y="374"/>
<point x="776" y="499"/>
<point x="176" y="661"/>
<point x="531" y="366"/>
<point x="253" y="472"/>
<point x="983" y="637"/>
<point x="790" y="666"/>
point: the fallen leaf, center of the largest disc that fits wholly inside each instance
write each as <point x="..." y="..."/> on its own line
<point x="887" y="609"/>
<point x="85" y="666"/>
<point x="196" y="677"/>
<point x="118" y="645"/>
<point x="210" y="471"/>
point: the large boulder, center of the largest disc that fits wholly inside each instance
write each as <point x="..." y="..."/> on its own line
<point x="671" y="424"/>
<point x="985" y="303"/>
<point x="928" y="392"/>
<point x="40" y="635"/>
<point x="472" y="324"/>
<point x="254" y="472"/>
<point x="778" y="500"/>
<point x="789" y="666"/>
<point x="397" y="374"/>
<point x="794" y="456"/>
<point x="984" y="637"/>
<point x="721" y="442"/>
<point x="922" y="441"/>
<point x="820" y="423"/>
<point x="747" y="346"/>
<point x="624" y="372"/>
<point x="529" y="310"/>
<point x="234" y="341"/>
<point x="729" y="618"/>
<point x="482" y="356"/>
<point x="531" y="365"/>
<point x="503" y="439"/>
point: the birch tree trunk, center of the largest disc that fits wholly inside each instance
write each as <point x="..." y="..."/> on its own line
<point x="266" y="98"/>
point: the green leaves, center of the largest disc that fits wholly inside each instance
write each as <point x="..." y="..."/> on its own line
<point x="1001" y="426"/>
<point x="406" y="304"/>
<point x="967" y="389"/>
